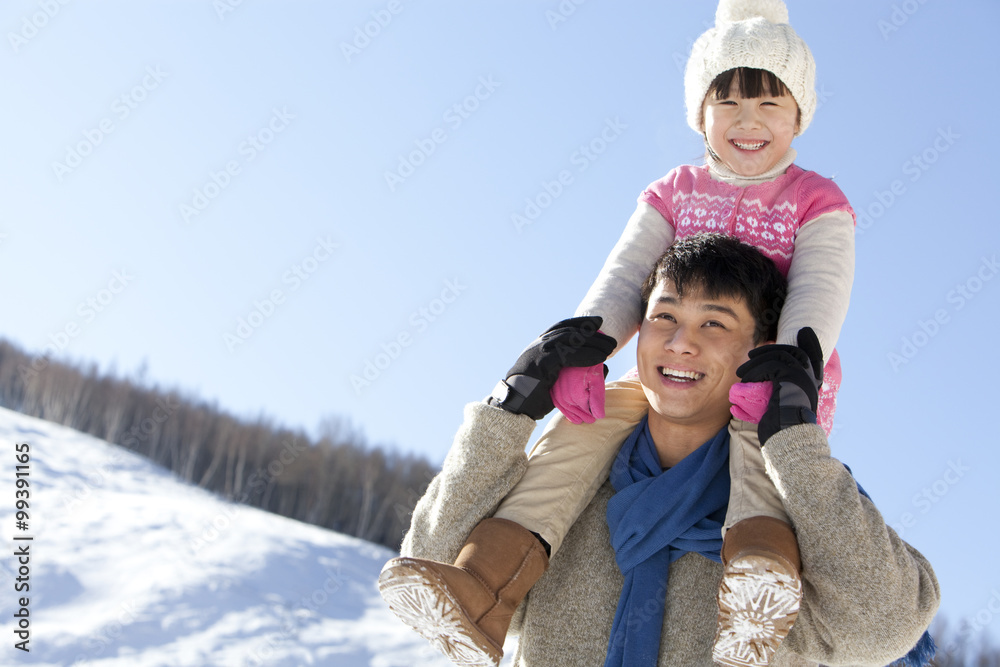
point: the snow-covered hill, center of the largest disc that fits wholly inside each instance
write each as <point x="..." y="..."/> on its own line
<point x="131" y="567"/>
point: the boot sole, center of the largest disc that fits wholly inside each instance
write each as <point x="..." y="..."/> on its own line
<point x="758" y="602"/>
<point x="422" y="600"/>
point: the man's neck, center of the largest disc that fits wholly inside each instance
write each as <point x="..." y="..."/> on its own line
<point x="675" y="441"/>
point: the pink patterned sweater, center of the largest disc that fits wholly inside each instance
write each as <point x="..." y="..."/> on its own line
<point x="770" y="213"/>
<point x="767" y="215"/>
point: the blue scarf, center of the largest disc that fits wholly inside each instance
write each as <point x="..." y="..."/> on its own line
<point x="656" y="517"/>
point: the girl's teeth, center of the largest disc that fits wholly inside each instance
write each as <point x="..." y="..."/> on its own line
<point x="685" y="375"/>
<point x="750" y="146"/>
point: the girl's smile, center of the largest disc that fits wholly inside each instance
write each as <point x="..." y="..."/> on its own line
<point x="749" y="135"/>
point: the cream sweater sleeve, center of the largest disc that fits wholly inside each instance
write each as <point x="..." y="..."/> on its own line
<point x="820" y="280"/>
<point x="867" y="595"/>
<point x="615" y="294"/>
<point x="486" y="460"/>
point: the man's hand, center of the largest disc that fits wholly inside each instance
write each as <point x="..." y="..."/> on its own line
<point x="795" y="374"/>
<point x="572" y="342"/>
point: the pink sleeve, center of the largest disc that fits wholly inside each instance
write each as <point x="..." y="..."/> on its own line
<point x="660" y="195"/>
<point x="820" y="195"/>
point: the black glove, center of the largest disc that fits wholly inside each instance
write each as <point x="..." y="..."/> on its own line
<point x="795" y="373"/>
<point x="572" y="342"/>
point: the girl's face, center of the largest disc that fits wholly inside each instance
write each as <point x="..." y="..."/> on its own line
<point x="749" y="135"/>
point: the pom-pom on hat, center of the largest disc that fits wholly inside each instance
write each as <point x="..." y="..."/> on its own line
<point x="751" y="33"/>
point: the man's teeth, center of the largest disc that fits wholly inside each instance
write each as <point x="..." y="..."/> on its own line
<point x="749" y="145"/>
<point x="682" y="375"/>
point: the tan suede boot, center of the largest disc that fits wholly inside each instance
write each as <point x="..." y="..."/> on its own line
<point x="464" y="609"/>
<point x="760" y="592"/>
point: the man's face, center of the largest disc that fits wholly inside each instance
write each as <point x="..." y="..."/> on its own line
<point x="688" y="351"/>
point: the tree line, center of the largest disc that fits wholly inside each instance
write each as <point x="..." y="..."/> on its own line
<point x="336" y="481"/>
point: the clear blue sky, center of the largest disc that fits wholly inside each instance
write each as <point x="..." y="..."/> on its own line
<point x="171" y="169"/>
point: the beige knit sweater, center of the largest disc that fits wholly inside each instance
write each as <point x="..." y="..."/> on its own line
<point x="867" y="595"/>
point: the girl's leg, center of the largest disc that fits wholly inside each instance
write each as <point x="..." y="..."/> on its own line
<point x="465" y="608"/>
<point x="761" y="588"/>
<point x="570" y="462"/>
<point x="751" y="492"/>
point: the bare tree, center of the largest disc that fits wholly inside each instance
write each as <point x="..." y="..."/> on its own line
<point x="337" y="481"/>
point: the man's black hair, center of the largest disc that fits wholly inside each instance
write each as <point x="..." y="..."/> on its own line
<point x="721" y="266"/>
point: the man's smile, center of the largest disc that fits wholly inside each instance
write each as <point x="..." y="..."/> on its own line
<point x="677" y="375"/>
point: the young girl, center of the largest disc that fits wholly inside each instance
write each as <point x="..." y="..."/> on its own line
<point x="749" y="89"/>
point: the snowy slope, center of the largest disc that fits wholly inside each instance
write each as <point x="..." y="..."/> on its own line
<point x="130" y="566"/>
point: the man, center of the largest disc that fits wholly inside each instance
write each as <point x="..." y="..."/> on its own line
<point x="867" y="595"/>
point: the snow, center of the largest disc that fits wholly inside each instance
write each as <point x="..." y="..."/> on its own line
<point x="131" y="566"/>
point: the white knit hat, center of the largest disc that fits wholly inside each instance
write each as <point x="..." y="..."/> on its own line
<point x="751" y="33"/>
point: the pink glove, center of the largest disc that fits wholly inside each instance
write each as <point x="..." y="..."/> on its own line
<point x="750" y="400"/>
<point x="579" y="393"/>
